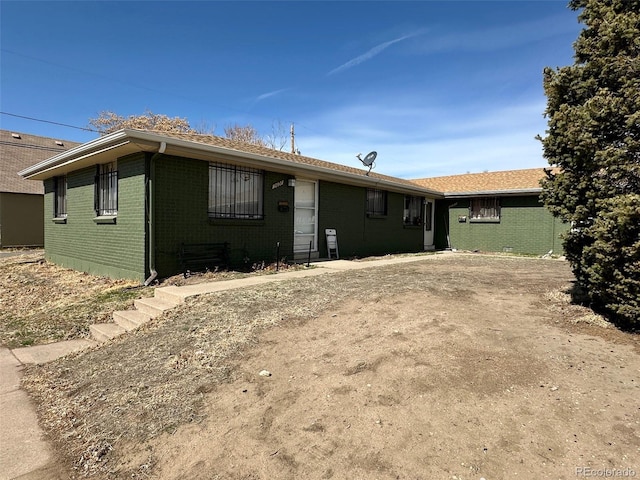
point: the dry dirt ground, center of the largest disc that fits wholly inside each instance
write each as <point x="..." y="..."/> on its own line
<point x="453" y="367"/>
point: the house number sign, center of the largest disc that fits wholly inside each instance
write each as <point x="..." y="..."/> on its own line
<point x="277" y="185"/>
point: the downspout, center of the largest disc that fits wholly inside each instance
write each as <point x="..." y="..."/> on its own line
<point x="447" y="226"/>
<point x="150" y="214"/>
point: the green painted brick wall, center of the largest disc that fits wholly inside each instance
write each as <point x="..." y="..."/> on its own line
<point x="343" y="207"/>
<point x="180" y="205"/>
<point x="115" y="250"/>
<point x="525" y="227"/>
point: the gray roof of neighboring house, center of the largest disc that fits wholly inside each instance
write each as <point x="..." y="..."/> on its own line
<point x="21" y="150"/>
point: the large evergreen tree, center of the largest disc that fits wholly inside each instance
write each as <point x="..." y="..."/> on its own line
<point x="593" y="136"/>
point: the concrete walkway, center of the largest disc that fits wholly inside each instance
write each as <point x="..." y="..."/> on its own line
<point x="24" y="454"/>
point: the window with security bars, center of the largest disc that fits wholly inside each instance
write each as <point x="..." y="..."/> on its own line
<point x="376" y="202"/>
<point x="235" y="192"/>
<point x="106" y="194"/>
<point x="60" y="202"/>
<point x="412" y="210"/>
<point x="485" y="208"/>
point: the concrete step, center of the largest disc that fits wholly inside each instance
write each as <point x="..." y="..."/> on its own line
<point x="153" y="306"/>
<point x="130" y="319"/>
<point x="175" y="295"/>
<point x="105" y="331"/>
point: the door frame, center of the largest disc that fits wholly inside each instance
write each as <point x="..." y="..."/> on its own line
<point x="315" y="246"/>
<point x="429" y="235"/>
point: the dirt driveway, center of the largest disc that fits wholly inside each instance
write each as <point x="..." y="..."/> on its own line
<point x="455" y="367"/>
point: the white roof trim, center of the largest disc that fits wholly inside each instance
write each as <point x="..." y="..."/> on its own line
<point x="485" y="193"/>
<point x="150" y="141"/>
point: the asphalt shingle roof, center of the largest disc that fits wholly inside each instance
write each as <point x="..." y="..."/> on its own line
<point x="18" y="153"/>
<point x="503" y="181"/>
<point x="279" y="154"/>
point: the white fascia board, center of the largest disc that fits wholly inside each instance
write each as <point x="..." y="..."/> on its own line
<point x="151" y="141"/>
<point x="69" y="155"/>
<point x="96" y="151"/>
<point x="285" y="166"/>
<point x="493" y="193"/>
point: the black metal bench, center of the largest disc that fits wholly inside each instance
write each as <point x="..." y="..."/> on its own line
<point x="203" y="256"/>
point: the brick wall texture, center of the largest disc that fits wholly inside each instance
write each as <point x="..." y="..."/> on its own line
<point x="115" y="250"/>
<point x="180" y="189"/>
<point x="525" y="227"/>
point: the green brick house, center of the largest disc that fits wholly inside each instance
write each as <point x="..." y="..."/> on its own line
<point x="495" y="212"/>
<point x="122" y="205"/>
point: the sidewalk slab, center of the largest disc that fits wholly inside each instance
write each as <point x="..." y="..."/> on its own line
<point x="23" y="446"/>
<point x="341" y="265"/>
<point x="10" y="368"/>
<point x="180" y="294"/>
<point x="51" y="351"/>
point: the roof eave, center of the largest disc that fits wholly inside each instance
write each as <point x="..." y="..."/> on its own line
<point x="129" y="141"/>
<point x="181" y="147"/>
<point x="90" y="153"/>
<point x="493" y="193"/>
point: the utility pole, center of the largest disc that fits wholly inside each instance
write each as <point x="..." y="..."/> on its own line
<point x="293" y="143"/>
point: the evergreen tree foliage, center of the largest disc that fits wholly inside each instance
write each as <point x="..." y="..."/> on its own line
<point x="593" y="136"/>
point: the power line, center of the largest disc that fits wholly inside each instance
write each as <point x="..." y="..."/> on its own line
<point x="49" y="121"/>
<point x="199" y="102"/>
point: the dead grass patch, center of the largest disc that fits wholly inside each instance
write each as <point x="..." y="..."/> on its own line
<point x="41" y="302"/>
<point x="560" y="301"/>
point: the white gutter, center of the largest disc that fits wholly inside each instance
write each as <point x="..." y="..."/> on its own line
<point x="46" y="168"/>
<point x="493" y="193"/>
<point x="169" y="145"/>
<point x="84" y="150"/>
<point x="286" y="165"/>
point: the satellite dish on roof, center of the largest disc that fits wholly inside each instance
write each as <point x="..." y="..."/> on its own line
<point x="368" y="160"/>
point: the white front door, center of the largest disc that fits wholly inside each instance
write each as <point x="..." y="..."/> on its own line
<point x="428" y="224"/>
<point x="305" y="227"/>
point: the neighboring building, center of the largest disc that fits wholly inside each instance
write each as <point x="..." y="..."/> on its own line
<point x="21" y="201"/>
<point x="123" y="204"/>
<point x="495" y="212"/>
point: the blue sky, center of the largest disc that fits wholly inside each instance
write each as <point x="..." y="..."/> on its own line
<point x="435" y="87"/>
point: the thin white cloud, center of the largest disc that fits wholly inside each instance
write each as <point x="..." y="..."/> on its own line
<point x="432" y="142"/>
<point x="371" y="53"/>
<point x="264" y="96"/>
<point x="501" y="37"/>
